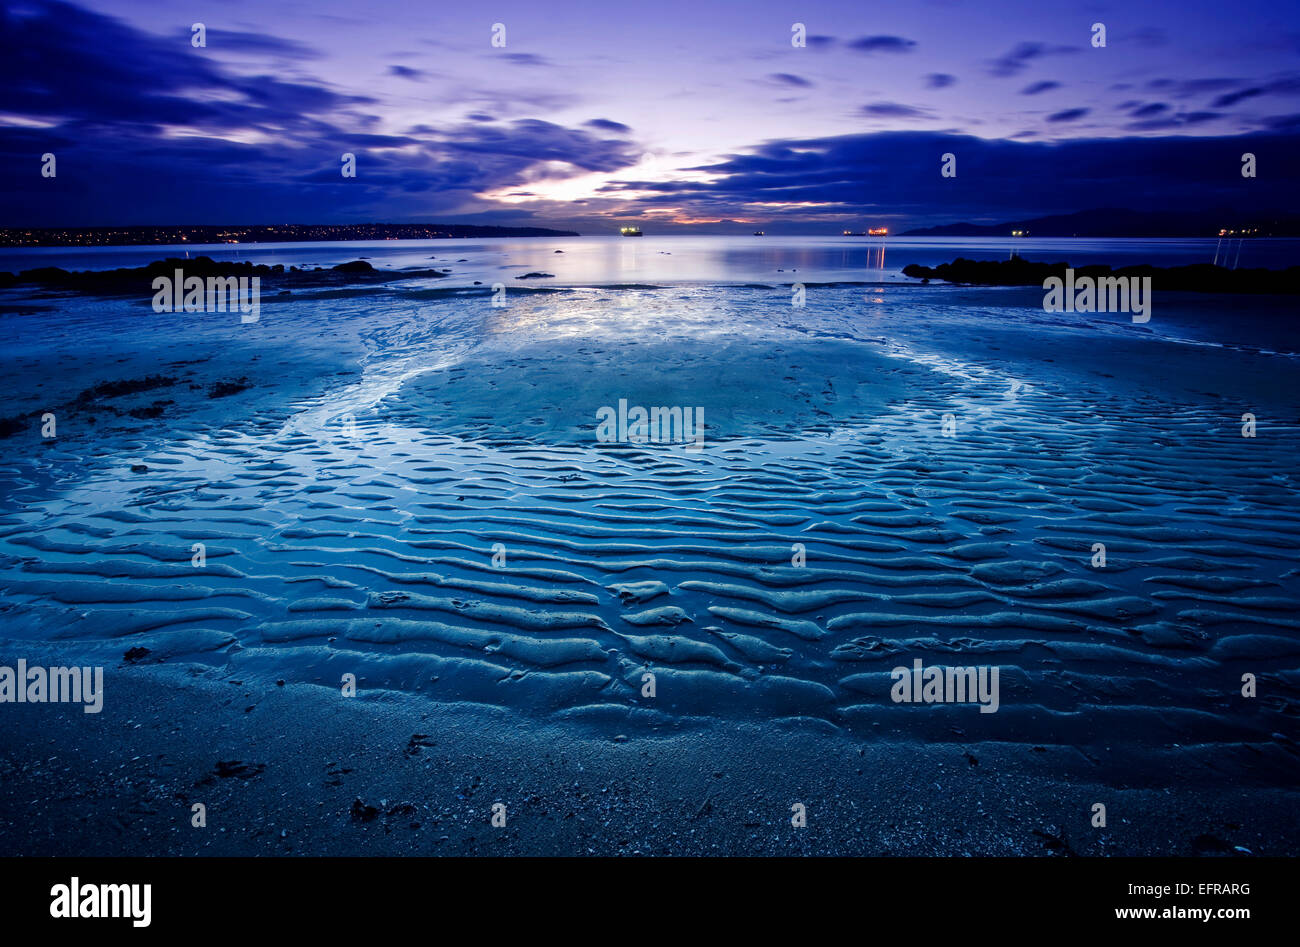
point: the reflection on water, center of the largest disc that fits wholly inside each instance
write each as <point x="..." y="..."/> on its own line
<point x="672" y="259"/>
<point x="876" y="260"/>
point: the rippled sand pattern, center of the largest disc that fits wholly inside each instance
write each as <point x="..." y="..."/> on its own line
<point x="371" y="552"/>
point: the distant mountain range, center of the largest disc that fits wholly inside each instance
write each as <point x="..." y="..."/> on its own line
<point x="253" y="233"/>
<point x="1121" y="222"/>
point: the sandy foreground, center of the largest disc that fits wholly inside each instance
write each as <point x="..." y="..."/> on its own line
<point x="352" y="463"/>
<point x="297" y="770"/>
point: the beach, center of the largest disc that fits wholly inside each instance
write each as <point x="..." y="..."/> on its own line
<point x="402" y="483"/>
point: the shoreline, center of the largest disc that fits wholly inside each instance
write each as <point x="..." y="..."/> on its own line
<point x="208" y="234"/>
<point x="1201" y="278"/>
<point x="1195" y="277"/>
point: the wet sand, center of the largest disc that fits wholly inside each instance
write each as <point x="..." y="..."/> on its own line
<point x="295" y="770"/>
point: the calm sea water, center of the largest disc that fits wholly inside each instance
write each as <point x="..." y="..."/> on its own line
<point x="598" y="260"/>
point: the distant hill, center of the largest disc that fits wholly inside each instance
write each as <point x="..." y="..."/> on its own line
<point x="253" y="233"/>
<point x="1119" y="222"/>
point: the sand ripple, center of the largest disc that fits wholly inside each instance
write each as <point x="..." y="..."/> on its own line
<point x="470" y="542"/>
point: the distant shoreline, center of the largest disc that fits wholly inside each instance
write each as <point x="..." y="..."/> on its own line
<point x="18" y="238"/>
<point x="1118" y="223"/>
<point x="255" y="233"/>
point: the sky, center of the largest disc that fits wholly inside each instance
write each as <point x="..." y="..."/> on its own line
<point x="689" y="115"/>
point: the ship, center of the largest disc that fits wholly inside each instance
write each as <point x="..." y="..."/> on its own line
<point x="758" y="233"/>
<point x="630" y="231"/>
<point x="878" y="232"/>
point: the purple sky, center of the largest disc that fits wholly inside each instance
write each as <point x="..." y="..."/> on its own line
<point x="673" y="114"/>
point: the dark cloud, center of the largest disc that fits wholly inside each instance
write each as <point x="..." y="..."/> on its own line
<point x="1232" y="98"/>
<point x="1172" y="122"/>
<point x="939" y="80"/>
<point x="897" y="173"/>
<point x="605" y="125"/>
<point x="259" y="147"/>
<point x="62" y="63"/>
<point x="406" y="72"/>
<point x="1045" y="86"/>
<point x="525" y="59"/>
<point x="790" y="79"/>
<point x="1019" y="58"/>
<point x="1153" y="108"/>
<point x="532" y="141"/>
<point x="882" y="44"/>
<point x="892" y="110"/>
<point x="1069" y="115"/>
<point x="221" y="42"/>
<point x="1286" y="84"/>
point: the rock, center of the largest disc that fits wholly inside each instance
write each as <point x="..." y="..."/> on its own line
<point x="362" y="812"/>
<point x="228" y="768"/>
<point x="1195" y="277"/>
<point x="224" y="389"/>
